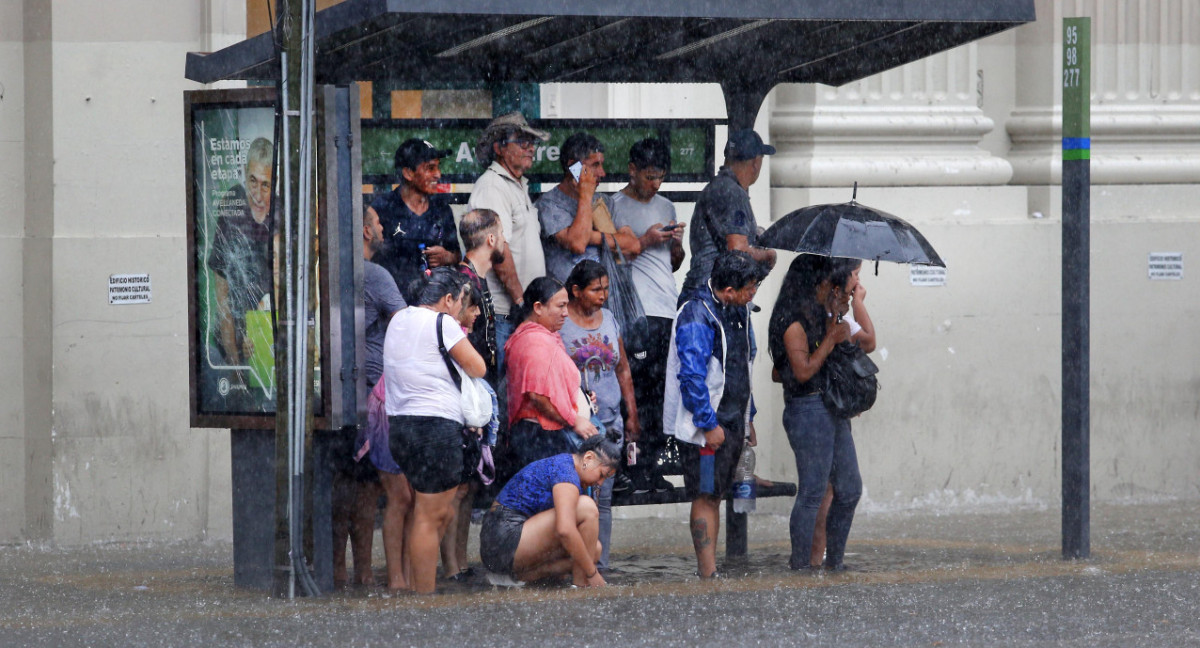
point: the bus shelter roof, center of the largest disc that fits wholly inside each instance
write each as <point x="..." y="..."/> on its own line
<point x="741" y="44"/>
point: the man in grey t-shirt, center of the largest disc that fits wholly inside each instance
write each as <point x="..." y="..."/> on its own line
<point x="381" y="297"/>
<point x="652" y="218"/>
<point x="723" y="219"/>
<point x="569" y="234"/>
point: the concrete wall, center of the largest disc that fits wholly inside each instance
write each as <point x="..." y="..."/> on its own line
<point x="12" y="228"/>
<point x="107" y="449"/>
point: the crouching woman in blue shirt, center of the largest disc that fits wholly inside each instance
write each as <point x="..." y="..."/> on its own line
<point x="542" y="525"/>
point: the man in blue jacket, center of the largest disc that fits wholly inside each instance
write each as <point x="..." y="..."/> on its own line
<point x="707" y="404"/>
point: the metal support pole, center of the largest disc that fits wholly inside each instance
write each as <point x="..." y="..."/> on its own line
<point x="736" y="535"/>
<point x="1076" y="186"/>
<point x="743" y="99"/>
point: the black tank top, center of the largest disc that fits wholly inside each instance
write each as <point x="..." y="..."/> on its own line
<point x="814" y="329"/>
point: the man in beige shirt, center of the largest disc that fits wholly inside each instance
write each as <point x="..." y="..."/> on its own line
<point x="507" y="146"/>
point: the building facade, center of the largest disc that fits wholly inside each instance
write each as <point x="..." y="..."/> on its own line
<point x="94" y="436"/>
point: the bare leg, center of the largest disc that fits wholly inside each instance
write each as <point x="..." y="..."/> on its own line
<point x="541" y="554"/>
<point x="705" y="522"/>
<point x="431" y="515"/>
<point x="395" y="522"/>
<point x="362" y="531"/>
<point x="463" y="521"/>
<point x="342" y="498"/>
<point x="817" y="557"/>
<point x="450" y="563"/>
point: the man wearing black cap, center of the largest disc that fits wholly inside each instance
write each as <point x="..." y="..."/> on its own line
<point x="723" y="219"/>
<point x="419" y="228"/>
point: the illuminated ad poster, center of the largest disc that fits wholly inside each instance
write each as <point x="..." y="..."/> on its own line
<point x="233" y="246"/>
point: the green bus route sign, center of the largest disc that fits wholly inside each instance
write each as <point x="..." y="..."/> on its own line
<point x="691" y="142"/>
<point x="1076" y="288"/>
<point x="1077" y="90"/>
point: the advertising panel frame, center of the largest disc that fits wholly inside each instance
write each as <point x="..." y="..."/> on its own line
<point x="203" y="376"/>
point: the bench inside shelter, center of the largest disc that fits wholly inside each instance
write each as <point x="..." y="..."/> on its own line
<point x="736" y="524"/>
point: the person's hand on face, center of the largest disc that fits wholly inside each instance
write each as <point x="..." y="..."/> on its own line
<point x="590" y="175"/>
<point x="860" y="292"/>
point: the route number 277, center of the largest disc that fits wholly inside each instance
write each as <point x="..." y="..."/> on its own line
<point x="1071" y="74"/>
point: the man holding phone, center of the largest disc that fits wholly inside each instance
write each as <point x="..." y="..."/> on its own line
<point x="569" y="229"/>
<point x="651" y="217"/>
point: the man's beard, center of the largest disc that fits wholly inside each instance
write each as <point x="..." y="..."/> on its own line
<point x="497" y="257"/>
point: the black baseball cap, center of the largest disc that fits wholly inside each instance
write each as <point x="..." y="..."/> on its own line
<point x="415" y="152"/>
<point x="745" y="144"/>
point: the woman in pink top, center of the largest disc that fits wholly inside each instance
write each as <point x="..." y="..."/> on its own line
<point x="543" y="382"/>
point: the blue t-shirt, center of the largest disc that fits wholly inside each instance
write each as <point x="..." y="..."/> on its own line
<point x="531" y="491"/>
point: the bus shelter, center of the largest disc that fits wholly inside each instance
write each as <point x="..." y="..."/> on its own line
<point x="508" y="46"/>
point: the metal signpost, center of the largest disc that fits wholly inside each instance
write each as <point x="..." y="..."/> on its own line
<point x="1076" y="185"/>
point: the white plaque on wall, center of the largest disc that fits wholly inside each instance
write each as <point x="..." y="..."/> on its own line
<point x="922" y="275"/>
<point x="1165" y="266"/>
<point x="129" y="289"/>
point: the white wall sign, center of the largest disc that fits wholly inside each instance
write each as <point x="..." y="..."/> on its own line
<point x="129" y="289"/>
<point x="1165" y="266"/>
<point x="922" y="275"/>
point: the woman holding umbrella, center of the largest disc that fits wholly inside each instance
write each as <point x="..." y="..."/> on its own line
<point x="806" y="323"/>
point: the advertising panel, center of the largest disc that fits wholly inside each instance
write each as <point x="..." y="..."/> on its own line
<point x="234" y="243"/>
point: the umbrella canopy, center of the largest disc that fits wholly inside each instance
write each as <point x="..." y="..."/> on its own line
<point x="850" y="230"/>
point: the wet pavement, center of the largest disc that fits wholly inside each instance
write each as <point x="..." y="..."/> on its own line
<point x="983" y="578"/>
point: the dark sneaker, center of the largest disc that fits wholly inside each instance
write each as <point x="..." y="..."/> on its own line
<point x="661" y="485"/>
<point x="621" y="483"/>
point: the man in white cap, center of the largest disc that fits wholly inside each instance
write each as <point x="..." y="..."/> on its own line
<point x="507" y="146"/>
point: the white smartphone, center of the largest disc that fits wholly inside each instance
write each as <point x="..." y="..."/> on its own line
<point x="576" y="169"/>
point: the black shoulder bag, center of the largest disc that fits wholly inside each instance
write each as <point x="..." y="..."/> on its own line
<point x="850" y="382"/>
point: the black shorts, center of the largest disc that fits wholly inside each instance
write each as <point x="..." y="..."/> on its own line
<point x="698" y="470"/>
<point x="342" y="451"/>
<point x="429" y="451"/>
<point x="529" y="442"/>
<point x="499" y="538"/>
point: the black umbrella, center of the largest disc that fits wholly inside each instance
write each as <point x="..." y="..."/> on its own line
<point x="850" y="230"/>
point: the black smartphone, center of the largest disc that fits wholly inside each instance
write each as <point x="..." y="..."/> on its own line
<point x="668" y="228"/>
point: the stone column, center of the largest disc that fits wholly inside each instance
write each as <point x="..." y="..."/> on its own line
<point x="1145" y="92"/>
<point x="917" y="125"/>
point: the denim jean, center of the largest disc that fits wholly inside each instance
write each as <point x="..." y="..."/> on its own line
<point x="504" y="329"/>
<point x="825" y="455"/>
<point x="604" y="504"/>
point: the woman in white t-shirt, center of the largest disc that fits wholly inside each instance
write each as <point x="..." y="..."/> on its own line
<point x="425" y="420"/>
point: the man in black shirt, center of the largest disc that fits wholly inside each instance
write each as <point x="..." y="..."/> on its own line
<point x="723" y="219"/>
<point x="418" y="227"/>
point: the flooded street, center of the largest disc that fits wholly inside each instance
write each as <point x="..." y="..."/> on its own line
<point x="916" y="579"/>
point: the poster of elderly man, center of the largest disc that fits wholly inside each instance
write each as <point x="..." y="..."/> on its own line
<point x="235" y="246"/>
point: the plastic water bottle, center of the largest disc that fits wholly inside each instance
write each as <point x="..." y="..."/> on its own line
<point x="745" y="489"/>
<point x="424" y="261"/>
